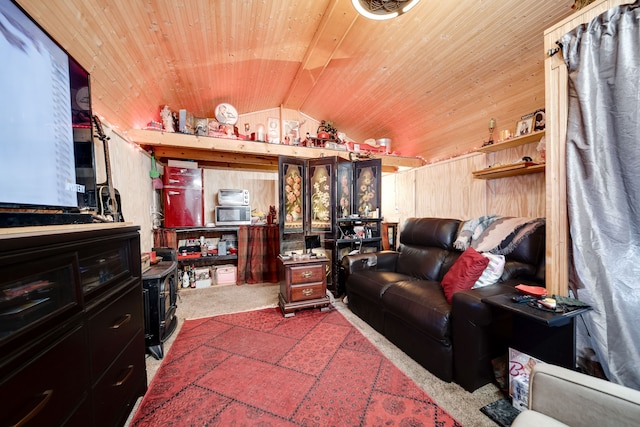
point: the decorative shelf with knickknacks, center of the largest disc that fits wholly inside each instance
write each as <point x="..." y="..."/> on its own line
<point x="360" y="233"/>
<point x="530" y="129"/>
<point x="325" y="135"/>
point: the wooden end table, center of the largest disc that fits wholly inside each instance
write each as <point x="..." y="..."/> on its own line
<point x="303" y="284"/>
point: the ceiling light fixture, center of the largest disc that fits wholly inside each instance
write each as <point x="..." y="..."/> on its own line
<point x="383" y="9"/>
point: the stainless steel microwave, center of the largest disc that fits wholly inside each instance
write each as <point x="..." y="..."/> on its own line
<point x="233" y="215"/>
<point x="233" y="197"/>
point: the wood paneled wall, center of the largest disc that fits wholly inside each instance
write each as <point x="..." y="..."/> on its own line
<point x="307" y="124"/>
<point x="130" y="174"/>
<point x="448" y="190"/>
<point x="262" y="186"/>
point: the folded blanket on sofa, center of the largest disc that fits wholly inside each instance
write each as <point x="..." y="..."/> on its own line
<point x="505" y="233"/>
<point x="471" y="230"/>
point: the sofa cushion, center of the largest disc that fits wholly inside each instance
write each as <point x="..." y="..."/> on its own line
<point x="516" y="269"/>
<point x="422" y="305"/>
<point x="434" y="232"/>
<point x="426" y="247"/>
<point x="422" y="262"/>
<point x="372" y="284"/>
<point x="492" y="272"/>
<point x="464" y="273"/>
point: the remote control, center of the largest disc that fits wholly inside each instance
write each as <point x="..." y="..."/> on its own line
<point x="522" y="298"/>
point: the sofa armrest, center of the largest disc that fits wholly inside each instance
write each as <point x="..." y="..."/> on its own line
<point x="383" y="261"/>
<point x="468" y="305"/>
<point x="477" y="335"/>
<point x="528" y="418"/>
<point x="580" y="400"/>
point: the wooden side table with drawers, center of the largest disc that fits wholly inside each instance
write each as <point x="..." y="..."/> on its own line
<point x="303" y="284"/>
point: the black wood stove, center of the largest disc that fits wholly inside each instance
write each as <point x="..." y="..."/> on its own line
<point x="160" y="285"/>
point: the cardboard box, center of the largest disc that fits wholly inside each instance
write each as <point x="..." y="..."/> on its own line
<point x="225" y="275"/>
<point x="203" y="277"/>
<point x="520" y="366"/>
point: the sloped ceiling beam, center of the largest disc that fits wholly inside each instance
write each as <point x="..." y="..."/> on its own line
<point x="333" y="29"/>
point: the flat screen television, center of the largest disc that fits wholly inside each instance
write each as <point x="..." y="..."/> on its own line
<point x="46" y="144"/>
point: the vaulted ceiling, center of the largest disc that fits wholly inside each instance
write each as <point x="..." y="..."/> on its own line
<point x="430" y="79"/>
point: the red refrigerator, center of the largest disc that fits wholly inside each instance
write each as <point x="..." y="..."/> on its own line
<point x="183" y="197"/>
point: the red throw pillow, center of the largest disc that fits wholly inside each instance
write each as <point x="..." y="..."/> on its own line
<point x="464" y="273"/>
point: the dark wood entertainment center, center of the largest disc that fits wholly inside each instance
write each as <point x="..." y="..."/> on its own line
<point x="72" y="347"/>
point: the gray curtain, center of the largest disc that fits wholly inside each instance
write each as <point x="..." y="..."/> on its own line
<point x="603" y="183"/>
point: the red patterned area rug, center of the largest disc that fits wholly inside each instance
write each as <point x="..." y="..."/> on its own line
<point x="258" y="368"/>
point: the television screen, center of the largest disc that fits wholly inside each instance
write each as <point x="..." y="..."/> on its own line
<point x="45" y="93"/>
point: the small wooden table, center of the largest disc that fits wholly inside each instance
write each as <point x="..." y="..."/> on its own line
<point x="303" y="284"/>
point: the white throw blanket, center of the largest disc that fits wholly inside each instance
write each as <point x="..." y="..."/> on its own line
<point x="471" y="230"/>
<point x="505" y="233"/>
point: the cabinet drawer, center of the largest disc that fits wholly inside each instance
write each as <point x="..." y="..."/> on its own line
<point x="117" y="391"/>
<point x="104" y="266"/>
<point x="50" y="387"/>
<point x="307" y="274"/>
<point x="307" y="291"/>
<point x="36" y="295"/>
<point x="112" y="327"/>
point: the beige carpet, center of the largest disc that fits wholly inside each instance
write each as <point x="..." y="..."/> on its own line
<point x="196" y="303"/>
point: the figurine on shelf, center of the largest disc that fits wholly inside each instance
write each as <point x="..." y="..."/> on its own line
<point x="272" y="215"/>
<point x="327" y="131"/>
<point x="167" y="119"/>
<point x="492" y="126"/>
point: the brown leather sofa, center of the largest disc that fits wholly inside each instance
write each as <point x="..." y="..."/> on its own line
<point x="399" y="294"/>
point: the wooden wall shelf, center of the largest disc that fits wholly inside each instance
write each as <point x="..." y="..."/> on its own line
<point x="510" y="143"/>
<point x="242" y="154"/>
<point x="506" y="171"/>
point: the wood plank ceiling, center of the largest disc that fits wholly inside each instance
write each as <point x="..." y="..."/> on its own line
<point x="430" y="79"/>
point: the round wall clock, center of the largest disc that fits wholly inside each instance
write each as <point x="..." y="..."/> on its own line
<point x="82" y="98"/>
<point x="226" y="114"/>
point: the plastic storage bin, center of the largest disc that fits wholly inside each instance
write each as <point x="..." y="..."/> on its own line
<point x="225" y="275"/>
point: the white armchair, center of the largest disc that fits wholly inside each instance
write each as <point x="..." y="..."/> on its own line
<point x="562" y="397"/>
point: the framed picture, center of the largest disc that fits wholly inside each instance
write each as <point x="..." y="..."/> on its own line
<point x="524" y="127"/>
<point x="201" y="125"/>
<point x="538" y="121"/>
<point x="291" y="129"/>
<point x="273" y="130"/>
